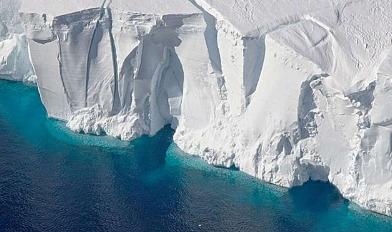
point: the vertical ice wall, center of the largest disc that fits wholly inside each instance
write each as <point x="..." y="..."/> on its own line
<point x="308" y="101"/>
<point x="14" y="55"/>
<point x="120" y="73"/>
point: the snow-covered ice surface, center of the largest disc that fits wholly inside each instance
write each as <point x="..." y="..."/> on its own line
<point x="284" y="90"/>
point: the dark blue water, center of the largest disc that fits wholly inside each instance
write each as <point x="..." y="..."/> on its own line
<point x="54" y="180"/>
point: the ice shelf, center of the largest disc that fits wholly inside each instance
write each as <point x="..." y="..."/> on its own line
<point x="284" y="90"/>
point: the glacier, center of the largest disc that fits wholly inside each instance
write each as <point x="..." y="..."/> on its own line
<point x="284" y="90"/>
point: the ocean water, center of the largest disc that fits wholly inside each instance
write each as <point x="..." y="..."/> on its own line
<point x="54" y="180"/>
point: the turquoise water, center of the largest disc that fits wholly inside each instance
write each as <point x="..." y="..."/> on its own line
<point x="54" y="180"/>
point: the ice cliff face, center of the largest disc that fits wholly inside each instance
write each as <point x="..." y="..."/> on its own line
<point x="14" y="57"/>
<point x="286" y="90"/>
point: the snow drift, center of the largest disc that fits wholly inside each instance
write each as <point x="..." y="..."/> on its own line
<point x="286" y="90"/>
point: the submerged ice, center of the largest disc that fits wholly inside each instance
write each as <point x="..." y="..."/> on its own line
<point x="286" y="91"/>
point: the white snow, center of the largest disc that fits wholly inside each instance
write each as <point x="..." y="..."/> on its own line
<point x="285" y="90"/>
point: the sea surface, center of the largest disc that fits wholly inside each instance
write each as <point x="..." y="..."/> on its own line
<point x="54" y="180"/>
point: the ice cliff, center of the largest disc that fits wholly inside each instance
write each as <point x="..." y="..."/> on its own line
<point x="284" y="90"/>
<point x="14" y="57"/>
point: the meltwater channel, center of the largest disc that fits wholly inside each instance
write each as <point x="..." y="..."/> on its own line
<point x="54" y="180"/>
